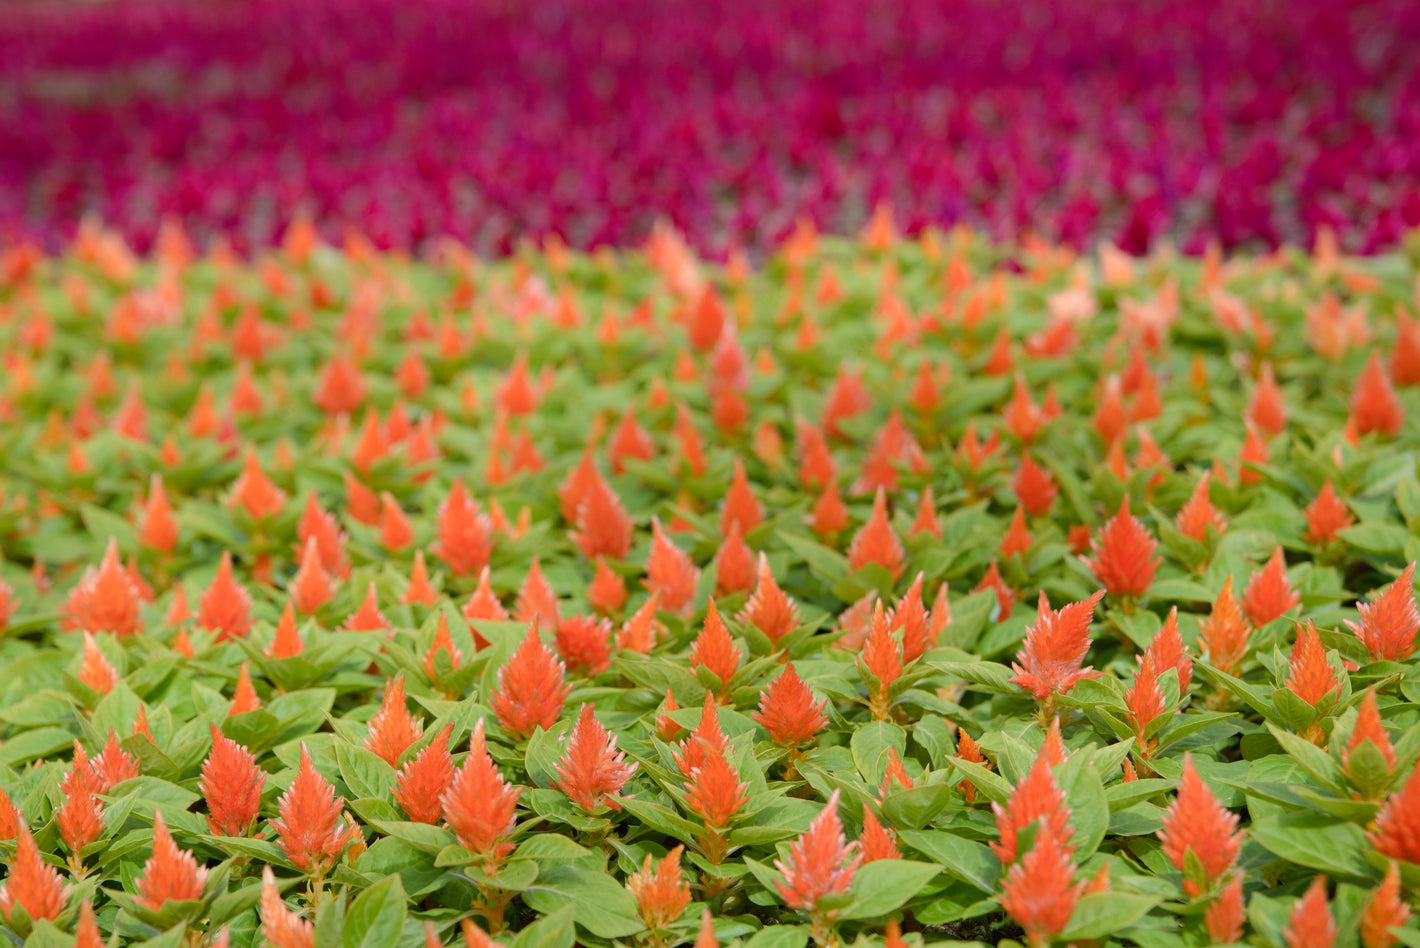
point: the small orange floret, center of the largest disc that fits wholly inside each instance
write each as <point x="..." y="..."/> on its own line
<point x="32" y="884"/>
<point x="769" y="609"/>
<point x="393" y="728"/>
<point x="1052" y="659"/>
<point x="592" y="771"/>
<point x="421" y="782"/>
<point x="531" y="689"/>
<point x="1374" y="405"/>
<point x="787" y="709"/>
<point x="1390" y="621"/>
<point x="1311" y="924"/>
<point x="1385" y="910"/>
<point x="1224" y="633"/>
<point x="309" y="825"/>
<point x="1039" y="892"/>
<point x="232" y="785"/>
<point x="1268" y="594"/>
<point x="1122" y="555"/>
<point x="225" y="606"/>
<point x="821" y="862"/>
<point x="670" y="572"/>
<point x="714" y="650"/>
<point x="479" y="805"/>
<point x="170" y="874"/>
<point x="1311" y="676"/>
<point x="1195" y="822"/>
<point x="660" y="889"/>
<point x="877" y="542"/>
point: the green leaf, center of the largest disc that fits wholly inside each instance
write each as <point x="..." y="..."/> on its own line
<point x="1106" y="913"/>
<point x="1316" y="841"/>
<point x="870" y="745"/>
<point x="967" y="860"/>
<point x="376" y="916"/>
<point x="600" y="904"/>
<point x="552" y="931"/>
<point x="882" y="887"/>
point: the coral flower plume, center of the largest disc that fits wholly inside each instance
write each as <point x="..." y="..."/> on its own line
<point x="1390" y="621"/>
<point x="312" y="833"/>
<point x="877" y="542"/>
<point x="821" y="862"/>
<point x="1052" y="659"/>
<point x="660" y="890"/>
<point x="479" y="805"/>
<point x="32" y="884"/>
<point x="393" y="728"/>
<point x="592" y="771"/>
<point x="532" y="688"/>
<point x="1196" y="823"/>
<point x="1122" y="555"/>
<point x="787" y="710"/>
<point x="232" y="785"/>
<point x="170" y="873"/>
<point x="421" y="782"/>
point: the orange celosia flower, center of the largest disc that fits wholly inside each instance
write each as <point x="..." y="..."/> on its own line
<point x="881" y="663"/>
<point x="1253" y="454"/>
<point x="106" y="599"/>
<point x="1017" y="539"/>
<point x="603" y="526"/>
<point x="821" y="862"/>
<point x="86" y="929"/>
<point x="660" y="889"/>
<point x="1224" y="634"/>
<point x="606" y="593"/>
<point x="816" y="465"/>
<point x="396" y="532"/>
<point x="1122" y="551"/>
<point x="81" y="817"/>
<point x="714" y="790"/>
<point x="419" y="590"/>
<point x="1385" y="910"/>
<point x="443" y="642"/>
<point x="310" y="587"/>
<point x="1036" y="798"/>
<point x="638" y="634"/>
<point x="1195" y="822"/>
<point x="170" y="873"/>
<point x="1311" y="676"/>
<point x="741" y="507"/>
<point x="484" y="603"/>
<point x="847" y="399"/>
<point x="1311" y="924"/>
<point x="1167" y="650"/>
<point x="876" y="841"/>
<point x="112" y="766"/>
<point x="584" y="642"/>
<point x="421" y="782"/>
<point x="1368" y="728"/>
<point x="319" y="525"/>
<point x="829" y="515"/>
<point x="531" y="689"/>
<point x="479" y="805"/>
<point x="670" y="572"/>
<point x="735" y="569"/>
<point x="1005" y="596"/>
<point x="1039" y="892"/>
<point x="1198" y="514"/>
<point x="1267" y="410"/>
<point x="157" y="530"/>
<point x="340" y="387"/>
<point x="367" y="618"/>
<point x="1034" y="487"/>
<point x="1326" y="514"/>
<point x="969" y="750"/>
<point x="1022" y="415"/>
<point x="1224" y="916"/>
<point x="1144" y="702"/>
<point x="1374" y="405"/>
<point x="244" y="697"/>
<point x="10" y="818"/>
<point x="592" y="771"/>
<point x="32" y="884"/>
<point x="225" y="606"/>
<point x="926" y="522"/>
<point x="311" y="832"/>
<point x="279" y="925"/>
<point x="666" y="727"/>
<point x="1390" y="621"/>
<point x="1110" y="418"/>
<point x="1268" y="594"/>
<point x="1396" y="830"/>
<point x="920" y="631"/>
<point x="465" y="535"/>
<point x="286" y="642"/>
<point x="97" y="671"/>
<point x="877" y="542"/>
<point x="254" y="492"/>
<point x="393" y="728"/>
<point x="894" y="772"/>
<point x="769" y="609"/>
<point x="232" y="785"/>
<point x="1052" y="659"/>
<point x="706" y="737"/>
<point x="787" y="709"/>
<point x="714" y="650"/>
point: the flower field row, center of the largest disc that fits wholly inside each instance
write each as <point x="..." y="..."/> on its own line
<point x="1253" y="123"/>
<point x="892" y="592"/>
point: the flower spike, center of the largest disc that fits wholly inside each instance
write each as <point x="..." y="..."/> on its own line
<point x="1052" y="659"/>
<point x="479" y="805"/>
<point x="232" y="785"/>
<point x="309" y="825"/>
<point x="531" y="689"/>
<point x="592" y="771"/>
<point x="170" y="873"/>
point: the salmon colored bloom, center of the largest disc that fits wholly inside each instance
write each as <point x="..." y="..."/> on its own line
<point x="368" y="618"/>
<point x="484" y="603"/>
<point x="244" y="697"/>
<point x="1022" y="416"/>
<point x="10" y="818"/>
<point x="112" y="766"/>
<point x="1195" y="822"/>
<point x="706" y="737"/>
<point x="1390" y="621"/>
<point x="340" y="386"/>
<point x="769" y="609"/>
<point x="1052" y="659"/>
<point x="714" y="790"/>
<point x="465" y="535"/>
<point x="106" y="599"/>
<point x="1326" y="514"/>
<point x="32" y="884"/>
<point x="969" y="750"/>
<point x="1224" y="634"/>
<point x="735" y="567"/>
<point x="1005" y="596"/>
<point x="279" y="925"/>
<point x="714" y="650"/>
<point x="1167" y="650"/>
<point x="170" y="874"/>
<point x="592" y="771"/>
<point x="1385" y="910"/>
<point x="877" y="542"/>
<point x="97" y="671"/>
<point x="396" y="532"/>
<point x="1039" y="891"/>
<point x="817" y="468"/>
<point x="603" y="526"/>
<point x="1268" y="594"/>
<point x="1311" y="924"/>
<point x="821" y="862"/>
<point x="894" y="772"/>
<point x="225" y="606"/>
<point x="421" y="782"/>
<point x="1374" y="405"/>
<point x="787" y="709"/>
<point x="1122" y="555"/>
<point x="1144" y="701"/>
<point x="319" y="525"/>
<point x="1370" y="729"/>
<point x="639" y="633"/>
<point x="231" y="784"/>
<point x="479" y="805"/>
<point x="254" y="492"/>
<point x="741" y="508"/>
<point x="419" y="590"/>
<point x="606" y="593"/>
<point x="926" y="522"/>
<point x="1224" y="916"/>
<point x="81" y="817"/>
<point x="86" y="929"/>
<point x="1017" y="539"/>
<point x="880" y="664"/>
<point x="1267" y="410"/>
<point x="286" y="641"/>
<point x="393" y="728"/>
<point x="1036" y="798"/>
<point x="311" y="832"/>
<point x="1253" y="454"/>
<point x="660" y="889"/>
<point x="1395" y="832"/>
<point x="1311" y="676"/>
<point x="584" y="642"/>
<point x="531" y="688"/>
<point x="829" y="515"/>
<point x="1198" y="514"/>
<point x="310" y="587"/>
<point x="670" y="572"/>
<point x="157" y="530"/>
<point x="919" y="630"/>
<point x="877" y="841"/>
<point x="443" y="642"/>
<point x="1110" y="418"/>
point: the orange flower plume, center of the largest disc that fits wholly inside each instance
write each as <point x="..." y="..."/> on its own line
<point x="584" y="642"/>
<point x="1224" y="916"/>
<point x="106" y="599"/>
<point x="97" y="671"/>
<point x="157" y="530"/>
<point x="465" y="535"/>
<point x="1224" y="633"/>
<point x="1390" y="620"/>
<point x="10" y="817"/>
<point x="1268" y="594"/>
<point x="769" y="609"/>
<point x="393" y="728"/>
<point x="735" y="569"/>
<point x="532" y="688"/>
<point x="1311" y="924"/>
<point x="1039" y="891"/>
<point x="254" y="492"/>
<point x="244" y="697"/>
<point x="1167" y="650"/>
<point x="1034" y="487"/>
<point x="1385" y="910"/>
<point x="670" y="572"/>
<point x="279" y="925"/>
<point x="112" y="766"/>
<point x="592" y="771"/>
<point x="367" y="618"/>
<point x="231" y="784"/>
<point x="32" y="884"/>
<point x="714" y="790"/>
<point x="606" y="593"/>
<point x="319" y="525"/>
<point x="1144" y="702"/>
<point x="1311" y="676"/>
<point x="660" y="889"/>
<point x="225" y="606"/>
<point x="86" y="929"/>
<point x="312" y="834"/>
<point x="638" y="633"/>
<point x="1122" y="551"/>
<point x="311" y="586"/>
<point x="821" y="862"/>
<point x="970" y="751"/>
<point x="419" y="590"/>
<point x="1052" y="659"/>
<point x="1268" y="409"/>
<point x="741" y="508"/>
<point x="1198" y="514"/>
<point x="1326" y="514"/>
<point x="880" y="663"/>
<point x="1195" y="822"/>
<point x="877" y="542"/>
<point x="81" y="817"/>
<point x="421" y="782"/>
<point x="479" y="806"/>
<point x="1396" y="830"/>
<point x="1374" y="405"/>
<point x="603" y="526"/>
<point x="1369" y="730"/>
<point x="714" y="650"/>
<point x="787" y="710"/>
<point x="484" y="603"/>
<point x="877" y="841"/>
<point x="170" y="874"/>
<point x="1037" y="798"/>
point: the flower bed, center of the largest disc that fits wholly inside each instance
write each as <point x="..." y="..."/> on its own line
<point x="893" y="592"/>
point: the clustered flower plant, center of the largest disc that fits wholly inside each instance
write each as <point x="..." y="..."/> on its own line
<point x="895" y="592"/>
